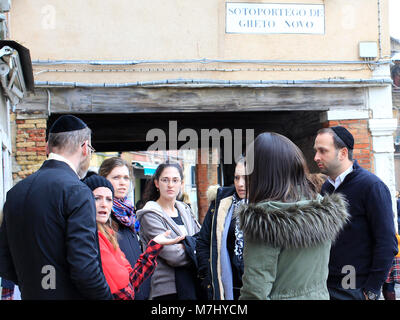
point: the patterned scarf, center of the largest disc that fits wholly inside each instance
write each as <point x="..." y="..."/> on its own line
<point x="236" y="203"/>
<point x="124" y="212"/>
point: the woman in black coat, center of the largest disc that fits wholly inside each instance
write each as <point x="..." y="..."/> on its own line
<point x="220" y="263"/>
<point x="123" y="215"/>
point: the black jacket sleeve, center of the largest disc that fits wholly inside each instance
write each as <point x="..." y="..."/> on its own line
<point x="83" y="254"/>
<point x="7" y="269"/>
<point x="203" y="244"/>
<point x="380" y="217"/>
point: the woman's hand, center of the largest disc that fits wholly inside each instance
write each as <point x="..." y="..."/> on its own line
<point x="162" y="238"/>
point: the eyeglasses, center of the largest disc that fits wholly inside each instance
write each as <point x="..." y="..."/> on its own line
<point x="173" y="180"/>
<point x="90" y="147"/>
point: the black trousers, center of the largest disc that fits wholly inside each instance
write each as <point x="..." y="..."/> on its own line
<point x="173" y="296"/>
<point x="345" y="294"/>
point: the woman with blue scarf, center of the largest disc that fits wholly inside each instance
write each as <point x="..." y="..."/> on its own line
<point x="220" y="243"/>
<point x="123" y="215"/>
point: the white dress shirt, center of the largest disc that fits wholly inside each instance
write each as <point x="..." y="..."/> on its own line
<point x="338" y="181"/>
<point x="55" y="156"/>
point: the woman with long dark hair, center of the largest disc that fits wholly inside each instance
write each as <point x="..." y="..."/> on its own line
<point x="288" y="227"/>
<point x="162" y="212"/>
<point x="220" y="242"/>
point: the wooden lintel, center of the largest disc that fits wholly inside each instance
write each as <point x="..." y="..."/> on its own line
<point x="167" y="100"/>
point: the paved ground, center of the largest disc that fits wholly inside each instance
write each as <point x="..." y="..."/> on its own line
<point x="396" y="288"/>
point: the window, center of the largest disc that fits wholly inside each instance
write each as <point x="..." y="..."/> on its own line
<point x="193" y="176"/>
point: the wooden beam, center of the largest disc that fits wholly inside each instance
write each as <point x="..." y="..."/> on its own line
<point x="178" y="100"/>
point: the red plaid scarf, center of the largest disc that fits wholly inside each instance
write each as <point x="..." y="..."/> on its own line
<point x="143" y="269"/>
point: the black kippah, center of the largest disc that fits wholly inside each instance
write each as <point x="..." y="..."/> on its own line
<point x="67" y="123"/>
<point x="95" y="181"/>
<point x="345" y="135"/>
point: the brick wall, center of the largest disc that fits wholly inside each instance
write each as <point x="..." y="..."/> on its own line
<point x="362" y="140"/>
<point x="29" y="146"/>
<point x="206" y="175"/>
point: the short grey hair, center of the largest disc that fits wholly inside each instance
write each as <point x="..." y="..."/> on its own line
<point x="69" y="141"/>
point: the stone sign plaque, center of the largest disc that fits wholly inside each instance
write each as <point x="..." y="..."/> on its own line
<point x="274" y="18"/>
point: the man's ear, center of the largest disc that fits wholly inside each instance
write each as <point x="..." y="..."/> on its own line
<point x="85" y="150"/>
<point x="343" y="154"/>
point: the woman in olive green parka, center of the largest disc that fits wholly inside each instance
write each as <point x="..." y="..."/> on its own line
<point x="288" y="227"/>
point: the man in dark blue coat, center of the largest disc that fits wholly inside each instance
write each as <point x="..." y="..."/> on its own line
<point x="362" y="255"/>
<point x="48" y="238"/>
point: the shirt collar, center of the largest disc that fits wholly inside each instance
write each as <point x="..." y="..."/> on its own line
<point x="55" y="156"/>
<point x="338" y="181"/>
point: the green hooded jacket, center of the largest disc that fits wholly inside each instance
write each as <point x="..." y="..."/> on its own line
<point x="287" y="246"/>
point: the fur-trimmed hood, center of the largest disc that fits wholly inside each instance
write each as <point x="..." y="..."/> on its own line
<point x="217" y="193"/>
<point x="295" y="225"/>
<point x="212" y="192"/>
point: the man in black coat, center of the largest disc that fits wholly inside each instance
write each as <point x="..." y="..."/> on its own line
<point x="48" y="238"/>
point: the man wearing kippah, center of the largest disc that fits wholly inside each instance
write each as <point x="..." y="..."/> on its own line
<point x="48" y="238"/>
<point x="362" y="255"/>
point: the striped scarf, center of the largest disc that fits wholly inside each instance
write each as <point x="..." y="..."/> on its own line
<point x="124" y="212"/>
